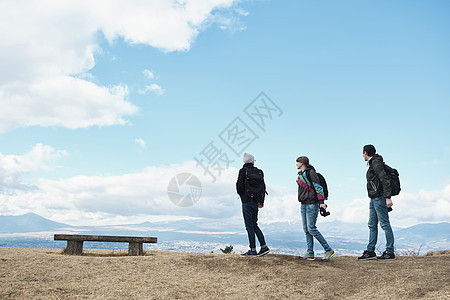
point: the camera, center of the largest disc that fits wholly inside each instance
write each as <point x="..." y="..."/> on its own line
<point x="324" y="212"/>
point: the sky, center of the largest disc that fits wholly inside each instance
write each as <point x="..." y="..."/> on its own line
<point x="108" y="107"/>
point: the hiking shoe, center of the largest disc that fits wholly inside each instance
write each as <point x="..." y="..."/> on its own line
<point x="307" y="256"/>
<point x="263" y="251"/>
<point x="328" y="255"/>
<point x="250" y="253"/>
<point x="386" y="255"/>
<point x="368" y="255"/>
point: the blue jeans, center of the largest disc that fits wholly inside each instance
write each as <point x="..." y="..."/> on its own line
<point x="309" y="214"/>
<point x="250" y="212"/>
<point x="378" y="211"/>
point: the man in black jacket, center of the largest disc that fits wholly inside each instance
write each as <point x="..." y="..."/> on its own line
<point x="379" y="191"/>
<point x="250" y="207"/>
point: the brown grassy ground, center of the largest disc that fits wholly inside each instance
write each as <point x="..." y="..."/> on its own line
<point x="103" y="274"/>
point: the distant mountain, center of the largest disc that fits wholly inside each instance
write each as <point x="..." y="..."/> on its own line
<point x="427" y="231"/>
<point x="29" y="222"/>
<point x="204" y="235"/>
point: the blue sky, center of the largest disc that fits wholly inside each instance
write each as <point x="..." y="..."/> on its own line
<point x="139" y="90"/>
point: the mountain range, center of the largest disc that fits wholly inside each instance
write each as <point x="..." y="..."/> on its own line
<point x="206" y="235"/>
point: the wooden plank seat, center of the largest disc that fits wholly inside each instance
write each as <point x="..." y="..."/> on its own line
<point x="75" y="242"/>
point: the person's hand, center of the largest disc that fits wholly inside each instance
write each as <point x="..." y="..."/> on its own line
<point x="260" y="205"/>
<point x="324" y="206"/>
<point x="389" y="202"/>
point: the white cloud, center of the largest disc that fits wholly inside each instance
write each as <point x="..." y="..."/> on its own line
<point x="86" y="198"/>
<point x="62" y="101"/>
<point x="152" y="88"/>
<point x="46" y="46"/>
<point x="98" y="200"/>
<point x="230" y="20"/>
<point x="167" y="25"/>
<point x="409" y="208"/>
<point x="242" y="12"/>
<point x="148" y="74"/>
<point x="281" y="205"/>
<point x="141" y="143"/>
<point x="12" y="167"/>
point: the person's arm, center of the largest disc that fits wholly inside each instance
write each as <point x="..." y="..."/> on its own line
<point x="261" y="203"/>
<point x="240" y="188"/>
<point x="378" y="169"/>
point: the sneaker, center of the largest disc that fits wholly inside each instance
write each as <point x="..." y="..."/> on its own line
<point x="386" y="255"/>
<point x="368" y="255"/>
<point x="307" y="256"/>
<point x="263" y="251"/>
<point x="250" y="253"/>
<point x="328" y="255"/>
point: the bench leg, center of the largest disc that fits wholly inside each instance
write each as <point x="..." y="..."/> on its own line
<point x="135" y="249"/>
<point x="74" y="247"/>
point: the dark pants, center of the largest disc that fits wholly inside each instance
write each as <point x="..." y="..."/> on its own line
<point x="250" y="212"/>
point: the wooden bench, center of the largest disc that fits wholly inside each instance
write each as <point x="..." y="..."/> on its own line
<point x="75" y="242"/>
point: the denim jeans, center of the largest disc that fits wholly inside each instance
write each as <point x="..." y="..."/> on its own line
<point x="250" y="212"/>
<point x="309" y="214"/>
<point x="378" y="211"/>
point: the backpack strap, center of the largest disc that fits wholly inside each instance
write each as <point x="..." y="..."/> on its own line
<point x="312" y="184"/>
<point x="307" y="178"/>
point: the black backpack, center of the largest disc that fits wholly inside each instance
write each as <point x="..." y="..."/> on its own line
<point x="394" y="179"/>
<point x="255" y="187"/>
<point x="322" y="182"/>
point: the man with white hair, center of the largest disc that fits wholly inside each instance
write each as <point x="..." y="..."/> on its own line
<point x="252" y="189"/>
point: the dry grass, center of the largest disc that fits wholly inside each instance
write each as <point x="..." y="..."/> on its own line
<point x="49" y="274"/>
<point x="438" y="253"/>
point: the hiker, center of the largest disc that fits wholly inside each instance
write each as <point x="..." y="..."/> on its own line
<point x="379" y="191"/>
<point x="251" y="188"/>
<point x="310" y="194"/>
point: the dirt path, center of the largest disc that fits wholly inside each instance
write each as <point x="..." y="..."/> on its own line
<point x="48" y="274"/>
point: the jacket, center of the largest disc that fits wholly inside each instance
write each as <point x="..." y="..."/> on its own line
<point x="240" y="184"/>
<point x="378" y="183"/>
<point x="309" y="193"/>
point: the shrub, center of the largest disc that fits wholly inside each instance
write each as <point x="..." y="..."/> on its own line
<point x="227" y="250"/>
<point x="410" y="252"/>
